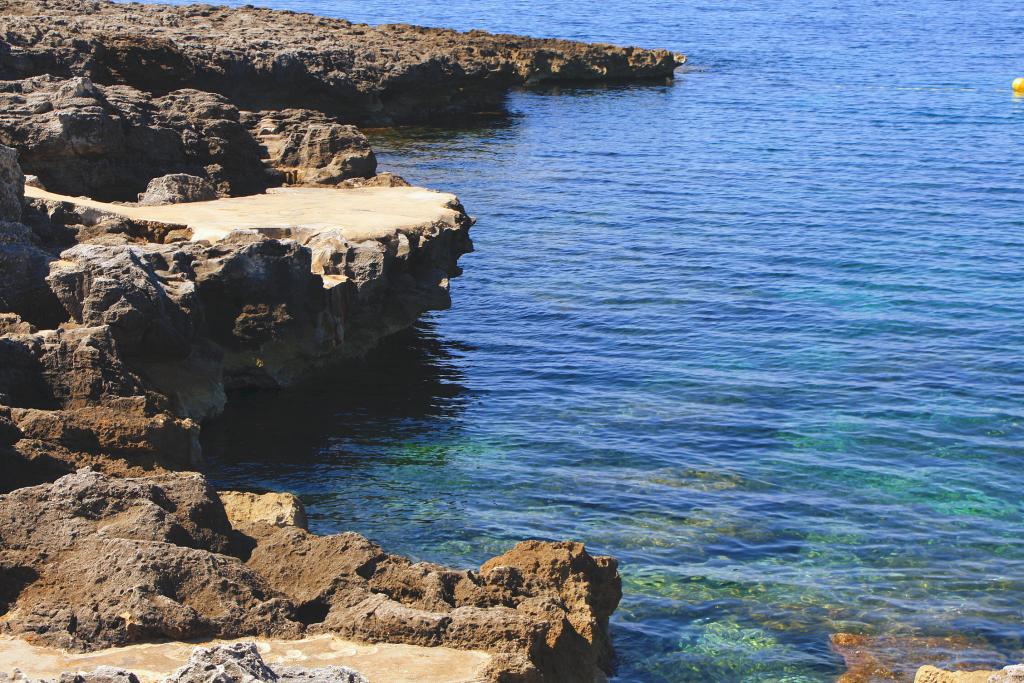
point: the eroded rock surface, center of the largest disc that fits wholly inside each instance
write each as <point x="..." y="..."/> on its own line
<point x="107" y="142"/>
<point x="242" y="662"/>
<point x="311" y="148"/>
<point x="12" y="185"/>
<point x="114" y="347"/>
<point x="248" y="510"/>
<point x="177" y="188"/>
<point x="94" y="561"/>
<point x="230" y="663"/>
<point x="269" y="59"/>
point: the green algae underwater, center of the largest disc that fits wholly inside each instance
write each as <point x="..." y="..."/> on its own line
<point x="757" y="333"/>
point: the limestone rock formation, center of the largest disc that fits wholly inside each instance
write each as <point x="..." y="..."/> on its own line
<point x="248" y="510"/>
<point x="232" y="663"/>
<point x="309" y="148"/>
<point x="93" y="561"/>
<point x="177" y="188"/>
<point x="23" y="264"/>
<point x="12" y="185"/>
<point x="242" y="662"/>
<point x="107" y="142"/>
<point x="268" y="59"/>
<point x="384" y="179"/>
<point x="112" y="346"/>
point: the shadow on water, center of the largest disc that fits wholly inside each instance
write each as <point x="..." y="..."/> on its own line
<point x="337" y="420"/>
<point x="487" y="126"/>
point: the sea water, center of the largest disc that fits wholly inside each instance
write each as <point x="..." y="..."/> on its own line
<point x="758" y="333"/>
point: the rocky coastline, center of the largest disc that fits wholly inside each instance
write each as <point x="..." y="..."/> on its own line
<point x="122" y="330"/>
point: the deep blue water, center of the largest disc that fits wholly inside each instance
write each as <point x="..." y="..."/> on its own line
<point x="758" y="333"/>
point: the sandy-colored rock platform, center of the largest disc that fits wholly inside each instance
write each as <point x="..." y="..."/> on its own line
<point x="381" y="663"/>
<point x="931" y="674"/>
<point x="359" y="213"/>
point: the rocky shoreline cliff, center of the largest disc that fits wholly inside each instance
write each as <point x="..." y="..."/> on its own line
<point x="120" y="333"/>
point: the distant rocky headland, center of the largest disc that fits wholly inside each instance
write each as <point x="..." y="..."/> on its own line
<point x="188" y="209"/>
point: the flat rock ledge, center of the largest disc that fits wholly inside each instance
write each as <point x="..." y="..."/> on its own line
<point x="312" y="659"/>
<point x="931" y="674"/>
<point x="123" y="327"/>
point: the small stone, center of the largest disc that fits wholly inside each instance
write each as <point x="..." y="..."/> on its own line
<point x="177" y="188"/>
<point x="276" y="509"/>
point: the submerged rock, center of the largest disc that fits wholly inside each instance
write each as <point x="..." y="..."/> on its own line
<point x="878" y="659"/>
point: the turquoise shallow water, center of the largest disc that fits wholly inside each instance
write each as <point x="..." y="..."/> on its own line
<point x="758" y="333"/>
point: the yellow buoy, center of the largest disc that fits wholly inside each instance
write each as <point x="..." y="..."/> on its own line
<point x="1018" y="85"/>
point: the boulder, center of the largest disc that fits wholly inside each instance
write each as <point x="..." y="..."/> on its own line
<point x="114" y="561"/>
<point x="101" y="674"/>
<point x="93" y="561"/>
<point x="236" y="662"/>
<point x="385" y="179"/>
<point x="250" y="511"/>
<point x="326" y="154"/>
<point x="177" y="188"/>
<point x="143" y="293"/>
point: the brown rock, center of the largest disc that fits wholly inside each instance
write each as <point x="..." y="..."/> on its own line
<point x="380" y="180"/>
<point x="931" y="674"/>
<point x="879" y="659"/>
<point x="588" y="587"/>
<point x="114" y="561"/>
<point x="546" y="602"/>
<point x="249" y="511"/>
